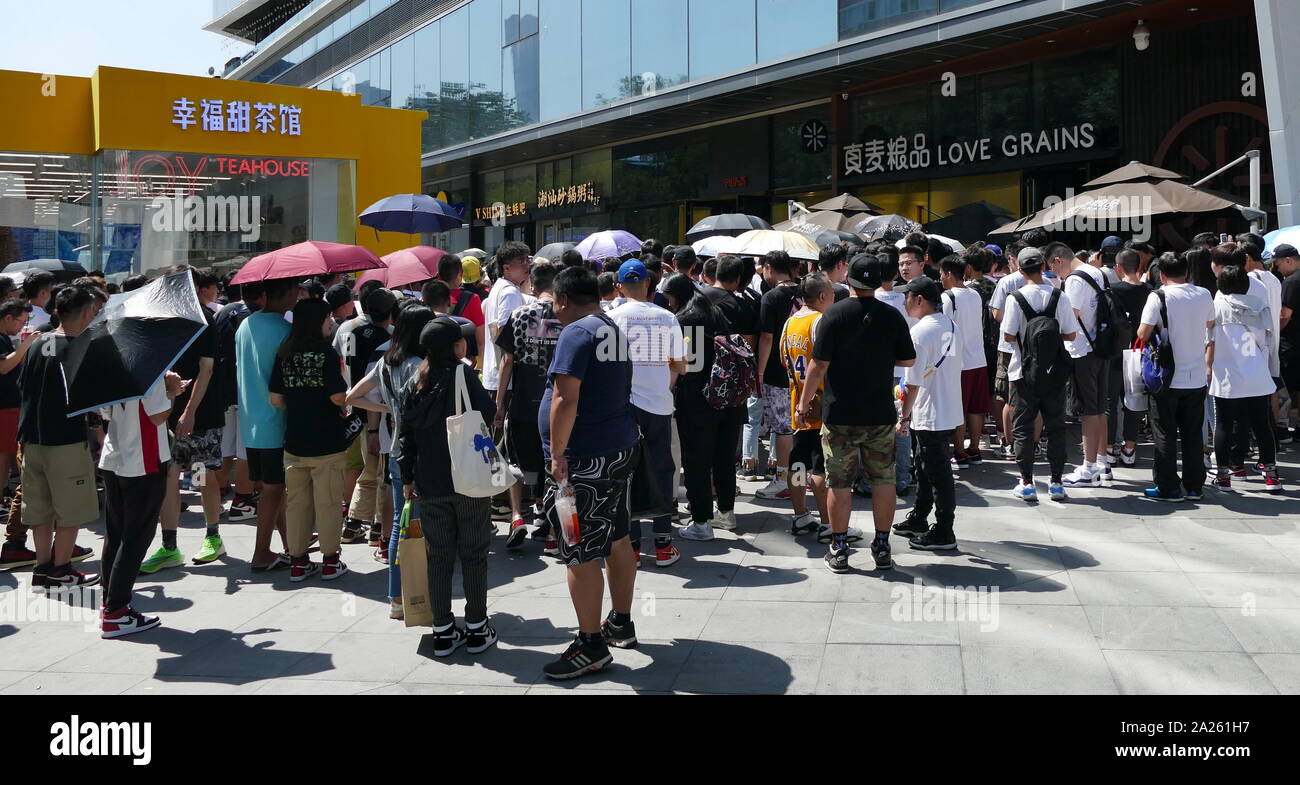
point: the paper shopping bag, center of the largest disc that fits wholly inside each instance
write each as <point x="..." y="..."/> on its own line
<point x="416" y="609"/>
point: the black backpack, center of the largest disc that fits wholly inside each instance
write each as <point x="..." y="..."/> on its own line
<point x="1045" y="363"/>
<point x="1114" y="330"/>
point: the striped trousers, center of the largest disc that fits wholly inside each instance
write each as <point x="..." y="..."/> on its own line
<point x="457" y="528"/>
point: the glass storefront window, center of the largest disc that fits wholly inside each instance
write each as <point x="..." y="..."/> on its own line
<point x="863" y="16"/>
<point x="722" y="36"/>
<point x="786" y="27"/>
<point x="454" y="104"/>
<point x="159" y="209"/>
<point x="560" y="58"/>
<point x="488" y="113"/>
<point x="792" y="165"/>
<point x="45" y="208"/>
<point x="403" y="73"/>
<point x="519" y="82"/>
<point x="660" y="171"/>
<point x="1006" y="102"/>
<point x="606" y="52"/>
<point x="528" y="18"/>
<point x="428" y="84"/>
<point x="659" y="50"/>
<point x="1084" y="87"/>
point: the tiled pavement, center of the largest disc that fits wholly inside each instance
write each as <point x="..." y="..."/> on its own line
<point x="1106" y="593"/>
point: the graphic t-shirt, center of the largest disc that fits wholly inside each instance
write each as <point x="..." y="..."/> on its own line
<point x="257" y="340"/>
<point x="795" y="351"/>
<point x="133" y="446"/>
<point x="529" y="337"/>
<point x="604" y="423"/>
<point x="776" y="306"/>
<point x="862" y="339"/>
<point x="314" y="425"/>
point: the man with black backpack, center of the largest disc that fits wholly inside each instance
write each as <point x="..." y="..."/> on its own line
<point x="1181" y="313"/>
<point x="1102" y="323"/>
<point x="1038" y="320"/>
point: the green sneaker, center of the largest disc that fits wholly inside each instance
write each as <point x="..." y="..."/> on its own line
<point x="161" y="560"/>
<point x="211" y="550"/>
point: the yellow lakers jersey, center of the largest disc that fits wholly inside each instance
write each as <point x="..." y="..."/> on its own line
<point x="796" y="354"/>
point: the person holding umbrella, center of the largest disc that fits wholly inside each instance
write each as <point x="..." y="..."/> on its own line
<point x="58" y="474"/>
<point x="257" y="341"/>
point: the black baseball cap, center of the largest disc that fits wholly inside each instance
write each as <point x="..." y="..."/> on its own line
<point x="924" y="286"/>
<point x="866" y="271"/>
<point x="338" y="295"/>
<point x="443" y="332"/>
<point x="313" y="287"/>
<point x="1286" y="251"/>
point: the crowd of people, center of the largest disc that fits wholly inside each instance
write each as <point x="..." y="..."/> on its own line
<point x="622" y="386"/>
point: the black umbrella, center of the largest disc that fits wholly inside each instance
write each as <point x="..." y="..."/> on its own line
<point x="828" y="237"/>
<point x="554" y="251"/>
<point x="63" y="270"/>
<point x="132" y="343"/>
<point x="730" y="225"/>
<point x="887" y="227"/>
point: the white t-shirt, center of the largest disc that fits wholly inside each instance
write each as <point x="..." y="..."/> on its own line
<point x="1014" y="321"/>
<point x="1241" y="366"/>
<point x="1012" y="282"/>
<point x="39" y="317"/>
<point x="1191" y="309"/>
<point x="899" y="301"/>
<point x="1084" y="299"/>
<point x="504" y="298"/>
<point x="969" y="317"/>
<point x="133" y="446"/>
<point x="653" y="338"/>
<point x="937" y="372"/>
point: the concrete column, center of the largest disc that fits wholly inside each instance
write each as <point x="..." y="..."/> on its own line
<point x="1278" y="21"/>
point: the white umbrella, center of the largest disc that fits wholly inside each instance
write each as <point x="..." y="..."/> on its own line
<point x="957" y="246"/>
<point x="715" y="246"/>
<point x="763" y="241"/>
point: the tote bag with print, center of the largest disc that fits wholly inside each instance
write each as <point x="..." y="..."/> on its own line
<point x="478" y="469"/>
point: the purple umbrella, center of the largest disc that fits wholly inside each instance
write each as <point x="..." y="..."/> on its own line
<point x="603" y="245"/>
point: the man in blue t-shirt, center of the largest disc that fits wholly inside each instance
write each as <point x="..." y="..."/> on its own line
<point x="261" y="425"/>
<point x="590" y="439"/>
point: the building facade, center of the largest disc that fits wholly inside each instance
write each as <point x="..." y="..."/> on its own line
<point x="549" y="119"/>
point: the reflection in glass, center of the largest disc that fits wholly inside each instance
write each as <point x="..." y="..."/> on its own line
<point x="453" y="106"/>
<point x="722" y="34"/>
<point x="786" y="27"/>
<point x="606" y="52"/>
<point x="402" y="56"/>
<point x="428" y="84"/>
<point x="863" y="16"/>
<point x="487" y="107"/>
<point x="560" y="57"/>
<point x="45" y="208"/>
<point x="659" y="49"/>
<point x="519" y="82"/>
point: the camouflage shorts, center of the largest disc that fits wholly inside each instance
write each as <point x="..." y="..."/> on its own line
<point x="852" y="448"/>
<point x="200" y="447"/>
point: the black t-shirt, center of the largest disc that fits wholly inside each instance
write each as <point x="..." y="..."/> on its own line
<point x="1290" y="343"/>
<point x="775" y="308"/>
<point x="740" y="313"/>
<point x="529" y="337"/>
<point x="43" y="418"/>
<point x="862" y="339"/>
<point x="225" y="382"/>
<point x="699" y="330"/>
<point x="367" y="340"/>
<point x="187" y="367"/>
<point x="841" y="291"/>
<point x="313" y="425"/>
<point x="10" y="397"/>
<point x="1133" y="298"/>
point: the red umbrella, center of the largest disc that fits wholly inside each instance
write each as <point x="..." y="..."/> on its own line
<point x="428" y="256"/>
<point x="309" y="258"/>
<point x="400" y="269"/>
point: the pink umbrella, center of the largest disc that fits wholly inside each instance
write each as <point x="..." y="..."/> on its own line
<point x="309" y="258"/>
<point x="401" y="268"/>
<point x="428" y="256"/>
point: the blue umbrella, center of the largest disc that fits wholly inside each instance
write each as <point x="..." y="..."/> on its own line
<point x="1289" y="236"/>
<point x="411" y="214"/>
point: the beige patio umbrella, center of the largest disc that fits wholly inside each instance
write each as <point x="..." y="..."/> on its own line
<point x="819" y="221"/>
<point x="847" y="203"/>
<point x="762" y="241"/>
<point x="1133" y="172"/>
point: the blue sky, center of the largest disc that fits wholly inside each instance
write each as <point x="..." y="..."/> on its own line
<point x="72" y="37"/>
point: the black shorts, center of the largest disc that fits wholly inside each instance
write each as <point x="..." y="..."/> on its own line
<point x="600" y="487"/>
<point x="266" y="465"/>
<point x="1090" y="386"/>
<point x="1291" y="373"/>
<point x="524" y="445"/>
<point x="806" y="451"/>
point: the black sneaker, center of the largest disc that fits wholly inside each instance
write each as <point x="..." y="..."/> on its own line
<point x="354" y="531"/>
<point x="376" y="536"/>
<point x="837" y="561"/>
<point x="41" y="576"/>
<point x="911" y="527"/>
<point x="541" y="529"/>
<point x="883" y="554"/>
<point x="623" y="637"/>
<point x="481" y="639"/>
<point x="1192" y="496"/>
<point x="934" y="540"/>
<point x="1284" y="436"/>
<point x="578" y="660"/>
<point x="446" y="643"/>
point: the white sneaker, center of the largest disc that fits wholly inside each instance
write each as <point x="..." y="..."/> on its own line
<point x="1082" y="477"/>
<point x="701" y="532"/>
<point x="824" y="534"/>
<point x="725" y="520"/>
<point x="776" y="489"/>
<point x="1103" y="470"/>
<point x="1209" y="461"/>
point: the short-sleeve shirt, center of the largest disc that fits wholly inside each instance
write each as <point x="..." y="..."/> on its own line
<point x="965" y="308"/>
<point x="1083" y="298"/>
<point x="134" y="446"/>
<point x="862" y="339"/>
<point x="257" y="340"/>
<point x="210" y="413"/>
<point x="937" y="372"/>
<point x="529" y="337"/>
<point x="653" y="340"/>
<point x="1190" y="309"/>
<point x="604" y="423"/>
<point x="43" y="416"/>
<point x="473" y="307"/>
<point x="795" y="350"/>
<point x="775" y="307"/>
<point x="738" y="310"/>
<point x="314" y="424"/>
<point x="504" y="298"/>
<point x="1014" y="319"/>
<point x="1291" y="299"/>
<point x="1241" y="356"/>
<point x="10" y="396"/>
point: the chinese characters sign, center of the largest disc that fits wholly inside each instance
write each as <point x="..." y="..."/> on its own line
<point x="901" y="154"/>
<point x="574" y="194"/>
<point x="500" y="211"/>
<point x="239" y="117"/>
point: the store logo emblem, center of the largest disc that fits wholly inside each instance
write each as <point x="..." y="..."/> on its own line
<point x="181" y="213"/>
<point x="99" y="739"/>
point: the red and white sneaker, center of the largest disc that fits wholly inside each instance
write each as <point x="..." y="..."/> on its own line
<point x="125" y="621"/>
<point x="381" y="554"/>
<point x="1224" y="480"/>
<point x="16" y="554"/>
<point x="302" y="569"/>
<point x="333" y="568"/>
<point x="81" y="553"/>
<point x="1239" y="472"/>
<point x="552" y="547"/>
<point x="1272" y="481"/>
<point x="69" y="580"/>
<point x="667" y="555"/>
<point x="518" y="531"/>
